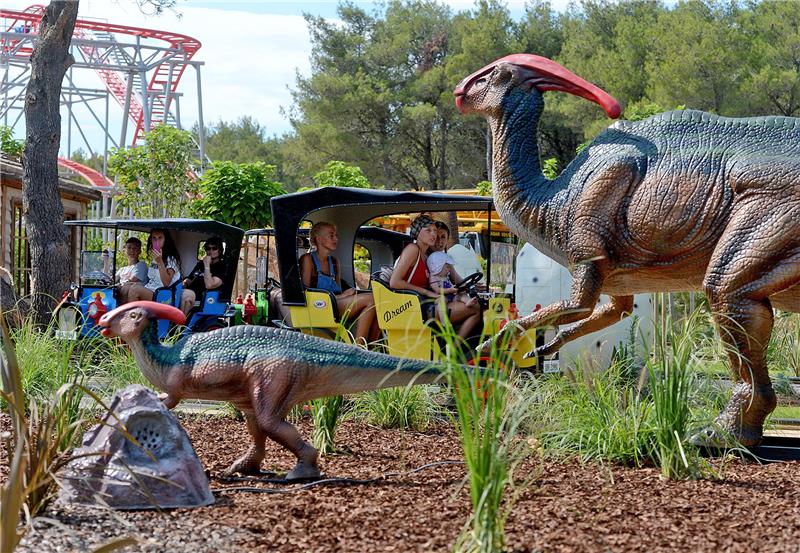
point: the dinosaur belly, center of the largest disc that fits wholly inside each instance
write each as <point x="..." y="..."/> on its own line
<point x="674" y="221"/>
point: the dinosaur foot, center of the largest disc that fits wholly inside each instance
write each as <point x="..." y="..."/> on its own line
<point x="303" y="471"/>
<point x="741" y="423"/>
<point x="245" y="465"/>
<point x="717" y="437"/>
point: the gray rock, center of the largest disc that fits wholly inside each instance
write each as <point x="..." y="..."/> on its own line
<point x="163" y="471"/>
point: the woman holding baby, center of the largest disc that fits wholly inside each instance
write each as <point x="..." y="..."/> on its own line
<point x="412" y="272"/>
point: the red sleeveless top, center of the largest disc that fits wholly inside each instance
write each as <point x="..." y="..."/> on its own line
<point x="418" y="275"/>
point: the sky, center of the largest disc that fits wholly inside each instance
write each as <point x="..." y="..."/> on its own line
<point x="252" y="51"/>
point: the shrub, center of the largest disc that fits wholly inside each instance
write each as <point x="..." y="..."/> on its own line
<point x="407" y="407"/>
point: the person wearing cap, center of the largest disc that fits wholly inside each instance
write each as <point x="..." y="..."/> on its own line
<point x="208" y="274"/>
<point x="411" y="273"/>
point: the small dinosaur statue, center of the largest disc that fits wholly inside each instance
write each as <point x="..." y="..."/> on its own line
<point x="263" y="371"/>
<point x="684" y="200"/>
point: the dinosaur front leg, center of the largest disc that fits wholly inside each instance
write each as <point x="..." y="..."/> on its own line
<point x="250" y="462"/>
<point x="618" y="308"/>
<point x="587" y="279"/>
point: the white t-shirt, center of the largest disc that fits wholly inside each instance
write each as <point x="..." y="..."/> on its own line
<point x="154" y="275"/>
<point x="138" y="270"/>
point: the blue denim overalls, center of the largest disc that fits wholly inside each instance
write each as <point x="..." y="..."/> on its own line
<point x="326" y="282"/>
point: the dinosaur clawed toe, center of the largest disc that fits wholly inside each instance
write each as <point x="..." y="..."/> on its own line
<point x="245" y="465"/>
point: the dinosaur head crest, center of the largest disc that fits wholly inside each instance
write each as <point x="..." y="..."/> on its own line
<point x="484" y="90"/>
<point x="130" y="319"/>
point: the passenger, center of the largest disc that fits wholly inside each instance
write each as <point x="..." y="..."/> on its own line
<point x="135" y="271"/>
<point x="210" y="273"/>
<point x="440" y="267"/>
<point x="319" y="268"/>
<point x="465" y="261"/>
<point x="411" y="273"/>
<point x="165" y="269"/>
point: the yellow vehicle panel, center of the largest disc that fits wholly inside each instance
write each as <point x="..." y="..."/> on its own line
<point x="316" y="317"/>
<point x="400" y="317"/>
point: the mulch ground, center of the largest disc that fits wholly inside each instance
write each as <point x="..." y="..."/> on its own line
<point x="566" y="507"/>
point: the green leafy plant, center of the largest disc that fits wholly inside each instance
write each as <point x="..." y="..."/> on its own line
<point x="484" y="188"/>
<point x="156" y="178"/>
<point x="8" y="145"/>
<point x="238" y="193"/>
<point x="339" y="173"/>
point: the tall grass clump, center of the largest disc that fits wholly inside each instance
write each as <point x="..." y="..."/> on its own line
<point x="326" y="413"/>
<point x="409" y="407"/>
<point x="595" y="413"/>
<point x="44" y="362"/>
<point x="672" y="382"/>
<point x="110" y="364"/>
<point x="43" y="432"/>
<point x="783" y="354"/>
<point x="488" y="422"/>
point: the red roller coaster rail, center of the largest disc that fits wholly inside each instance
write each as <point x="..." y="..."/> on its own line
<point x="162" y="84"/>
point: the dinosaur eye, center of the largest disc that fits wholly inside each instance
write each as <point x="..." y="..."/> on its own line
<point x="480" y="83"/>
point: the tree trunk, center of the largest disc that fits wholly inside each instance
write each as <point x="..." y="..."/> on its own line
<point x="41" y="200"/>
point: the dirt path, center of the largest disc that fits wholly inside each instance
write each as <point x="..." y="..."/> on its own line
<point x="568" y="507"/>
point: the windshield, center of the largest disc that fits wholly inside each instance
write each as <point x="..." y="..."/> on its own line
<point x="95" y="267"/>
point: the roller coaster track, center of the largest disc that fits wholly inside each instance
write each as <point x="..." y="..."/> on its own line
<point x="111" y="59"/>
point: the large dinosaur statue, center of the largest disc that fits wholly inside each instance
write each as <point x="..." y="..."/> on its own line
<point x="263" y="371"/>
<point x="684" y="200"/>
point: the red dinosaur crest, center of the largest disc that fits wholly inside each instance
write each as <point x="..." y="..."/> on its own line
<point x="552" y="77"/>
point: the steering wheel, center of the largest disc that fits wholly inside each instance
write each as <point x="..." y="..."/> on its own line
<point x="469" y="281"/>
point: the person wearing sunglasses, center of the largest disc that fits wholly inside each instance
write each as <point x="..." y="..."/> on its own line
<point x="209" y="274"/>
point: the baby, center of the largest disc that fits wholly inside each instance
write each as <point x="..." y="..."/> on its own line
<point x="440" y="267"/>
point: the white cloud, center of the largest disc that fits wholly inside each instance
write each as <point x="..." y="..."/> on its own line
<point x="250" y="59"/>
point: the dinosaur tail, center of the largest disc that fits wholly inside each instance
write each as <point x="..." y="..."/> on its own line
<point x="354" y="370"/>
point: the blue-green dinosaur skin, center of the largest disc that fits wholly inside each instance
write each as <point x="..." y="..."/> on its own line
<point x="322" y="367"/>
<point x="684" y="200"/>
<point x="263" y="371"/>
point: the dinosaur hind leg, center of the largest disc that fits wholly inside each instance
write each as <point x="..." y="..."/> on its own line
<point x="758" y="256"/>
<point x="287" y="435"/>
<point x="250" y="462"/>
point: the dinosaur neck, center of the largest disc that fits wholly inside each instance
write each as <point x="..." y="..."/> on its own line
<point x="154" y="359"/>
<point x="524" y="197"/>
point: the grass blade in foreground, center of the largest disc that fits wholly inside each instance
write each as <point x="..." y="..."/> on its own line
<point x="488" y="430"/>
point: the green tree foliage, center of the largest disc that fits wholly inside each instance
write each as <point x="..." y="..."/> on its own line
<point x="246" y="141"/>
<point x="338" y="173"/>
<point x="156" y="177"/>
<point x="772" y="32"/>
<point x="380" y="92"/>
<point x="697" y="55"/>
<point x="95" y="161"/>
<point x="8" y="144"/>
<point x="238" y="193"/>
